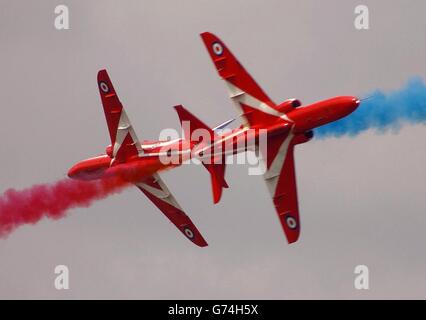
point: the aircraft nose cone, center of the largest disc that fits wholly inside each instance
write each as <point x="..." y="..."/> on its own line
<point x="354" y="103"/>
<point x="71" y="172"/>
<point x="74" y="171"/>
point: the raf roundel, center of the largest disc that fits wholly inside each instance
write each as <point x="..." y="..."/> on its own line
<point x="189" y="233"/>
<point x="104" y="87"/>
<point x="217" y="48"/>
<point x="291" y="222"/>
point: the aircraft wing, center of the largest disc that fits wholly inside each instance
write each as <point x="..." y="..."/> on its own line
<point x="280" y="179"/>
<point x="246" y="94"/>
<point x="124" y="141"/>
<point x="156" y="190"/>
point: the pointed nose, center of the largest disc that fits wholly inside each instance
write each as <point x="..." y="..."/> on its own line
<point x="73" y="172"/>
<point x="352" y="104"/>
<point x="356" y="101"/>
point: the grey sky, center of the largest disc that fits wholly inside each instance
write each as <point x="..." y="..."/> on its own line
<point x="361" y="200"/>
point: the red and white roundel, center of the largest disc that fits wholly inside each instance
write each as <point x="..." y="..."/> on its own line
<point x="217" y="48"/>
<point x="188" y="233"/>
<point x="291" y="222"/>
<point x="103" y="86"/>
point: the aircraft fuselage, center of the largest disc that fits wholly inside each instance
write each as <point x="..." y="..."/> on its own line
<point x="162" y="155"/>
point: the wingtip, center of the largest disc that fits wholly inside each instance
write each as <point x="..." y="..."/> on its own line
<point x="102" y="74"/>
<point x="208" y="37"/>
<point x="200" y="241"/>
<point x="203" y="245"/>
<point x="293" y="239"/>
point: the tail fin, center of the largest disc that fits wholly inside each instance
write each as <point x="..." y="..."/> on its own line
<point x="190" y="124"/>
<point x="256" y="106"/>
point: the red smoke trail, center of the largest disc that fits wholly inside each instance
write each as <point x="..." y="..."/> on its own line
<point x="29" y="205"/>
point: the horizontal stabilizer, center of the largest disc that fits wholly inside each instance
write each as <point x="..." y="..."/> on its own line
<point x="217" y="175"/>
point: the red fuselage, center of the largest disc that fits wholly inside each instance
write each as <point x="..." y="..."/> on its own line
<point x="300" y="120"/>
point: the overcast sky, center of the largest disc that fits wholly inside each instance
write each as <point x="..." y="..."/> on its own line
<point x="361" y="199"/>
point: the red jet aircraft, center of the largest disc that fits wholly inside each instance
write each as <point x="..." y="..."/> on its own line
<point x="286" y="125"/>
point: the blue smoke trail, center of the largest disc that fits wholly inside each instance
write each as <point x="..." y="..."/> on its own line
<point x="383" y="112"/>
